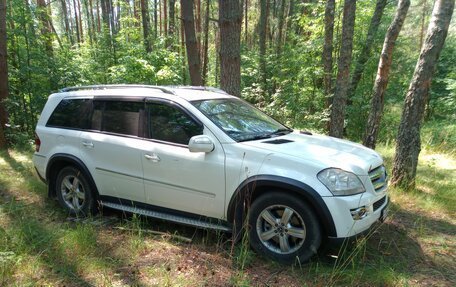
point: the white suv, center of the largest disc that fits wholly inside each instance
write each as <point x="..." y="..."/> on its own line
<point x="199" y="156"/>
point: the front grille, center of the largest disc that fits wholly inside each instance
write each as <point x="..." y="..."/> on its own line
<point x="379" y="203"/>
<point x="379" y="178"/>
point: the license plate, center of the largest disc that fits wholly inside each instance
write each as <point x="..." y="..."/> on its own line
<point x="384" y="213"/>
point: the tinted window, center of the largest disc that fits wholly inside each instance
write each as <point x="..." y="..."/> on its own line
<point x="167" y="123"/>
<point x="72" y="113"/>
<point x="118" y="117"/>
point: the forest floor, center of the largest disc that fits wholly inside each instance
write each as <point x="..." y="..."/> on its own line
<point x="41" y="246"/>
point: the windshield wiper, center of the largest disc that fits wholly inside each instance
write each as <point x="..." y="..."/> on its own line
<point x="278" y="132"/>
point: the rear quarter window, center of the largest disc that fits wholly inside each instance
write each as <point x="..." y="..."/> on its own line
<point x="71" y="113"/>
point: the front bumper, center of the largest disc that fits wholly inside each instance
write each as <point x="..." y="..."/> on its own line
<point x="347" y="225"/>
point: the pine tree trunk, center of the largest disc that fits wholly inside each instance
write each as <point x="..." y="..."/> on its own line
<point x="66" y="22"/>
<point x="145" y="22"/>
<point x="46" y="30"/>
<point x="3" y="74"/>
<point x="230" y="20"/>
<point x="156" y="18"/>
<point x="191" y="44"/>
<point x="262" y="43"/>
<point x="381" y="81"/>
<point x="281" y="17"/>
<point x="328" y="50"/>
<point x="368" y="43"/>
<point x="172" y="23"/>
<point x="81" y="30"/>
<point x="206" y="42"/>
<point x="336" y="125"/>
<point x="408" y="142"/>
<point x="165" y="17"/>
<point x="92" y="20"/>
<point x="246" y="22"/>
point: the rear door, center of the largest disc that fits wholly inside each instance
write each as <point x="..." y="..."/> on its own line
<point x="112" y="150"/>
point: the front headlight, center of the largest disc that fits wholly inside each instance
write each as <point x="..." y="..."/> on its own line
<point x="341" y="182"/>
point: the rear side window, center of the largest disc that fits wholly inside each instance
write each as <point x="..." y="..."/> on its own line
<point x="118" y="117"/>
<point x="71" y="113"/>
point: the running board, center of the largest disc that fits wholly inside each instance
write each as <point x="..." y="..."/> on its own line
<point x="168" y="217"/>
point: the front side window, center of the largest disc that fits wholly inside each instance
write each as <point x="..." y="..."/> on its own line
<point x="170" y="124"/>
<point x="241" y="121"/>
<point x="118" y="117"/>
<point x="71" y="113"/>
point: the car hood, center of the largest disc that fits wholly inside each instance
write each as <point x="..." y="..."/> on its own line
<point x="323" y="150"/>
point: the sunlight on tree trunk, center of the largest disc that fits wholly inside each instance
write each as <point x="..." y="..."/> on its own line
<point x="230" y="18"/>
<point x="336" y="125"/>
<point x="381" y="82"/>
<point x="408" y="142"/>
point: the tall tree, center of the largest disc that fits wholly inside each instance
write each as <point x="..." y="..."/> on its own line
<point x="367" y="47"/>
<point x="336" y="125"/>
<point x="172" y="22"/>
<point x="381" y="81"/>
<point x="3" y="74"/>
<point x="264" y="7"/>
<point x="281" y="16"/>
<point x="230" y="20"/>
<point x="68" y="35"/>
<point x="328" y="49"/>
<point x="145" y="22"/>
<point x="194" y="63"/>
<point x="206" y="42"/>
<point x="408" y="142"/>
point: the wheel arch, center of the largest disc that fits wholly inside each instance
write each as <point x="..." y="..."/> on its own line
<point x="59" y="161"/>
<point x="253" y="187"/>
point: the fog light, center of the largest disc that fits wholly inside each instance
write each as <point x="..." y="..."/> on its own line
<point x="359" y="213"/>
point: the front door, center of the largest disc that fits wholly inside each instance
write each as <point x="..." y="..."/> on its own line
<point x="174" y="177"/>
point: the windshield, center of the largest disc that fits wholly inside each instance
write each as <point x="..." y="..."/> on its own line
<point x="240" y="120"/>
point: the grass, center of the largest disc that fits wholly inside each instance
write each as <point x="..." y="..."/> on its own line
<point x="41" y="246"/>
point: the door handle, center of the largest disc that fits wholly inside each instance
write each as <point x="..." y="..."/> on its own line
<point x="153" y="157"/>
<point x="87" y="144"/>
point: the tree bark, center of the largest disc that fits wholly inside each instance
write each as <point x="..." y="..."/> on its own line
<point x="3" y="74"/>
<point x="191" y="44"/>
<point x="172" y="23"/>
<point x="328" y="50"/>
<point x="262" y="42"/>
<point x="145" y="22"/>
<point x="367" y="48"/>
<point x="336" y="125"/>
<point x="381" y="81"/>
<point x="206" y="43"/>
<point x="408" y="142"/>
<point x="46" y="30"/>
<point x="281" y="17"/>
<point x="66" y="22"/>
<point x="230" y="20"/>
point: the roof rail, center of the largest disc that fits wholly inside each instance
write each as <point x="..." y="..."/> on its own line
<point x="200" y="88"/>
<point x="104" y="87"/>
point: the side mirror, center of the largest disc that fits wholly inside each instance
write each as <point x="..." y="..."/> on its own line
<point x="200" y="143"/>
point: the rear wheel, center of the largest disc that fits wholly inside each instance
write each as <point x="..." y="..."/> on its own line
<point x="74" y="192"/>
<point x="284" y="228"/>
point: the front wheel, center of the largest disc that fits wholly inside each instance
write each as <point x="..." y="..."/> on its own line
<point x="284" y="228"/>
<point x="74" y="192"/>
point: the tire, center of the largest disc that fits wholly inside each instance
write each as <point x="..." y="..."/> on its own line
<point x="283" y="228"/>
<point x="74" y="192"/>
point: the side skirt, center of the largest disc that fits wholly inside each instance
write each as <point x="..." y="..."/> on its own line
<point x="169" y="216"/>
